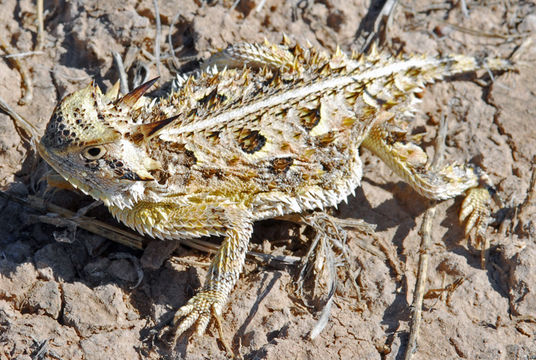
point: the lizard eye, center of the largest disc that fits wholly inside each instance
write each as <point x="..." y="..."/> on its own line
<point x="94" y="152"/>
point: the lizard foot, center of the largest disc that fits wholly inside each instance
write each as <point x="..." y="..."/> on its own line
<point x="199" y="310"/>
<point x="475" y="211"/>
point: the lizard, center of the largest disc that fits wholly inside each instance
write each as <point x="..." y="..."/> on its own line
<point x="262" y="130"/>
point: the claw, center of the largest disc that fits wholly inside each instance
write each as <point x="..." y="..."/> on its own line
<point x="475" y="210"/>
<point x="466" y="209"/>
<point x="470" y="224"/>
<point x="198" y="311"/>
<point x="202" y="324"/>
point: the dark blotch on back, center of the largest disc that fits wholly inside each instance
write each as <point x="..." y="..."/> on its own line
<point x="281" y="165"/>
<point x="250" y="141"/>
<point x="309" y="118"/>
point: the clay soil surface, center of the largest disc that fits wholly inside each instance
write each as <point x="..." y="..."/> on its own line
<point x="66" y="293"/>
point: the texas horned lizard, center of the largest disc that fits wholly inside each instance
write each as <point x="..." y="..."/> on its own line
<point x="263" y="131"/>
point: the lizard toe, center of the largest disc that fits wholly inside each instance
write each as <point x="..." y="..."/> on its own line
<point x="198" y="312"/>
<point x="475" y="210"/>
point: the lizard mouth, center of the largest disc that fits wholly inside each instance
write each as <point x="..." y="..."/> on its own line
<point x="111" y="198"/>
<point x="76" y="183"/>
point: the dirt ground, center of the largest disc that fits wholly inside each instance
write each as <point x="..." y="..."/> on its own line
<point x="66" y="293"/>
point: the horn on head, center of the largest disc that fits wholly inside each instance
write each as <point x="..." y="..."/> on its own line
<point x="132" y="97"/>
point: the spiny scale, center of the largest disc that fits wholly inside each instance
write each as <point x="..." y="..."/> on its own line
<point x="261" y="131"/>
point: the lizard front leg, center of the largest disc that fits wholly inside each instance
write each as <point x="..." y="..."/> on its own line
<point x="222" y="275"/>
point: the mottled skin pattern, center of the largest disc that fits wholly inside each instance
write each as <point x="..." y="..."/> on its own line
<point x="262" y="131"/>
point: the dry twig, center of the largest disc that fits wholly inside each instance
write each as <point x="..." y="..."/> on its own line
<point x="20" y="123"/>
<point x="381" y="25"/>
<point x="465" y="30"/>
<point x="420" y="284"/>
<point x="157" y="36"/>
<point x="422" y="273"/>
<point x="27" y="87"/>
<point x="123" y="80"/>
<point x="170" y="39"/>
<point x="23" y="54"/>
<point x="259" y="7"/>
<point x="531" y="191"/>
<point x="40" y="26"/>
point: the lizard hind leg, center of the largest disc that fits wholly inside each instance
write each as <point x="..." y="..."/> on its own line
<point x="410" y="162"/>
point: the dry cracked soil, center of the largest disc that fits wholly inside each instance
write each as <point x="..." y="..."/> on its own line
<point x="66" y="293"/>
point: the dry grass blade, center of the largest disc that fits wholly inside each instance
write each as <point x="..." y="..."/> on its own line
<point x="27" y="87"/>
<point x="24" y="54"/>
<point x="388" y="250"/>
<point x="380" y="27"/>
<point x="170" y="38"/>
<point x="260" y="6"/>
<point x="527" y="207"/>
<point x="531" y="191"/>
<point x="40" y="25"/>
<point x="103" y="229"/>
<point x="420" y="284"/>
<point x="29" y="130"/>
<point x="200" y="244"/>
<point x="276" y="261"/>
<point x="449" y="289"/>
<point x="123" y="82"/>
<point x="426" y="240"/>
<point x="69" y="218"/>
<point x="326" y="310"/>
<point x="484" y="34"/>
<point x="158" y="36"/>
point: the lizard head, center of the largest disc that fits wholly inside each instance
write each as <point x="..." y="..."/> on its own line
<point x="89" y="141"/>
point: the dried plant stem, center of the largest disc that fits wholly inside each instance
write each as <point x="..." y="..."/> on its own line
<point x="170" y="37"/>
<point x="381" y="25"/>
<point x="260" y="6"/>
<point x="20" y="123"/>
<point x="23" y="54"/>
<point x="486" y="35"/>
<point x="531" y="191"/>
<point x="123" y="80"/>
<point x="420" y="284"/>
<point x="40" y="26"/>
<point x="158" y="36"/>
<point x="426" y="240"/>
<point x="27" y="87"/>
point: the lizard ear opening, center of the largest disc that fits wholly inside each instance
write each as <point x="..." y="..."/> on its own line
<point x="145" y="132"/>
<point x="132" y="97"/>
